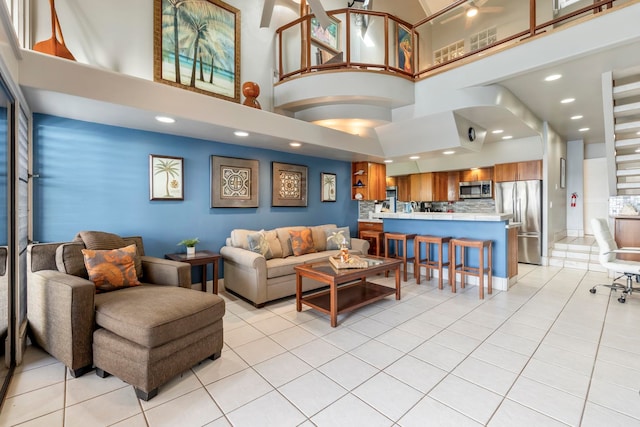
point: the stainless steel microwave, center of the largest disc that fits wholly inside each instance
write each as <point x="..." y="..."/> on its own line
<point x="475" y="190"/>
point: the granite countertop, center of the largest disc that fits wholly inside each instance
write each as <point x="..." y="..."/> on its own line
<point x="446" y="216"/>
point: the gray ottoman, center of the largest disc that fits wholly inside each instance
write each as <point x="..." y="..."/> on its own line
<point x="154" y="333"/>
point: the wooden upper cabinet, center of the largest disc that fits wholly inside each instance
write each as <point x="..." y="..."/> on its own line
<point x="404" y="188"/>
<point x="520" y="171"/>
<point x="453" y="192"/>
<point x="421" y="185"/>
<point x="445" y="186"/>
<point x="368" y="181"/>
<point x="530" y="170"/>
<point x="478" y="174"/>
<point x="391" y="181"/>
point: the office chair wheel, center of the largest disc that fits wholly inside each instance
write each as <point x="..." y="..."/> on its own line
<point x="622" y="300"/>
<point x="592" y="290"/>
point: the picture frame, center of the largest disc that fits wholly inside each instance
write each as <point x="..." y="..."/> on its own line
<point x="234" y="182"/>
<point x="216" y="71"/>
<point x="166" y="177"/>
<point x="405" y="48"/>
<point x="327" y="38"/>
<point x="328" y="189"/>
<point x="289" y="185"/>
<point x="563" y="173"/>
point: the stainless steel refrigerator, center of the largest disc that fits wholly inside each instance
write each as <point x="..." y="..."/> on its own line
<point x="523" y="199"/>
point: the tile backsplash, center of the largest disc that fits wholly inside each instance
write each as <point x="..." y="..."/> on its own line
<point x="617" y="204"/>
<point x="366" y="207"/>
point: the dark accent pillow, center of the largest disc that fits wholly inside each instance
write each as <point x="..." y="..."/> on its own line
<point x="258" y="244"/>
<point x="335" y="236"/>
<point x="69" y="259"/>
<point x="113" y="269"/>
<point x="101" y="240"/>
<point x="302" y="242"/>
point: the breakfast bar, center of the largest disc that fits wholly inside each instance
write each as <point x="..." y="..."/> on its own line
<point x="481" y="226"/>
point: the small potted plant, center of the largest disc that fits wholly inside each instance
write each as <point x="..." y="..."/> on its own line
<point x="190" y="245"/>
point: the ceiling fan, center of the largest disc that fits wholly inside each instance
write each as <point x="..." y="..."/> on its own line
<point x="472" y="9"/>
<point x="316" y="8"/>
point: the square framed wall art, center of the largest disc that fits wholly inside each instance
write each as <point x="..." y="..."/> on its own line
<point x="234" y="182"/>
<point x="196" y="46"/>
<point x="166" y="177"/>
<point x="289" y="186"/>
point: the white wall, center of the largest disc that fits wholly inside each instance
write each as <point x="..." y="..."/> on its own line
<point x="596" y="191"/>
<point x="554" y="223"/>
<point x="575" y="174"/>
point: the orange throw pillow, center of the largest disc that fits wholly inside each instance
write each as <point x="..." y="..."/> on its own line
<point x="302" y="242"/>
<point x="111" y="270"/>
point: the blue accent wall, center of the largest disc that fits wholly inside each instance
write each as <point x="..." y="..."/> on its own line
<point x="96" y="177"/>
<point x="3" y="177"/>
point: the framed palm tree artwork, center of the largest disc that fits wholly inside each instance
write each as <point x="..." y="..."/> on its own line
<point x="328" y="186"/>
<point x="197" y="46"/>
<point x="166" y="177"/>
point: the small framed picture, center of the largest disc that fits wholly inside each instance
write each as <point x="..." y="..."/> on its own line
<point x="563" y="173"/>
<point x="328" y="182"/>
<point x="166" y="177"/>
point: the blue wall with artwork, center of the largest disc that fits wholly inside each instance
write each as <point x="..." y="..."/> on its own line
<point x="96" y="177"/>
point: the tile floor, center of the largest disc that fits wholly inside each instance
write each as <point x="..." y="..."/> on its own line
<point x="545" y="353"/>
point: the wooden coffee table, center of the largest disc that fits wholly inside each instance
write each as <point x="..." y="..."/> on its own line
<point x="348" y="288"/>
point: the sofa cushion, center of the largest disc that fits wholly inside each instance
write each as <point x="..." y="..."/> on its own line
<point x="239" y="237"/>
<point x="113" y="269"/>
<point x="258" y="244"/>
<point x="301" y="242"/>
<point x="101" y="240"/>
<point x="278" y="267"/>
<point x="285" y="239"/>
<point x="319" y="237"/>
<point x="334" y="237"/>
<point x="69" y="259"/>
<point x="152" y="315"/>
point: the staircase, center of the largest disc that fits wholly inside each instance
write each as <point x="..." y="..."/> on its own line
<point x="576" y="252"/>
<point x="626" y="127"/>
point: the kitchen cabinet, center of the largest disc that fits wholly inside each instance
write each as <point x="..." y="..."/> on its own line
<point x="477" y="174"/>
<point x="391" y="181"/>
<point x="445" y="186"/>
<point x="627" y="234"/>
<point x="368" y="181"/>
<point x="421" y="186"/>
<point x="520" y="171"/>
<point x="404" y="188"/>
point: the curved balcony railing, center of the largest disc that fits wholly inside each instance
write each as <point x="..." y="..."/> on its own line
<point x="368" y="40"/>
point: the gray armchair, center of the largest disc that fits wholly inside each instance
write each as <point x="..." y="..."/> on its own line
<point x="144" y="335"/>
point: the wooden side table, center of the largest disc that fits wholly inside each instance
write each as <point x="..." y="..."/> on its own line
<point x="200" y="258"/>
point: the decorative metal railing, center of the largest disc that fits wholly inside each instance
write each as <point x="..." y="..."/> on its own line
<point x="368" y="40"/>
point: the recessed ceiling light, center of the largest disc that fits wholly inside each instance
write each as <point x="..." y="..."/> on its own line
<point x="241" y="133"/>
<point x="497" y="131"/>
<point x="637" y="150"/>
<point x="165" y="119"/>
<point x="414" y="157"/>
<point x="583" y="129"/>
<point x="388" y="161"/>
<point x="295" y="144"/>
<point x="473" y="11"/>
<point x="578" y="117"/>
<point x="552" y="77"/>
<point x="638" y="133"/>
<point x="474" y="169"/>
<point x="567" y="100"/>
<point x="448" y="152"/>
<point x="507" y="137"/>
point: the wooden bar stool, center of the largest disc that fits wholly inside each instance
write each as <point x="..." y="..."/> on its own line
<point x="426" y="262"/>
<point x="400" y="240"/>
<point x="376" y="236"/>
<point x="458" y="265"/>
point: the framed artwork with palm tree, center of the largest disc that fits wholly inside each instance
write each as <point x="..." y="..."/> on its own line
<point x="197" y="46"/>
<point x="328" y="186"/>
<point x="166" y="177"/>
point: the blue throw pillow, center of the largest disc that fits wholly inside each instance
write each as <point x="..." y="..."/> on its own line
<point x="258" y="244"/>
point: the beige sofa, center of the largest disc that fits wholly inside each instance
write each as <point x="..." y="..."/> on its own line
<point x="144" y="335"/>
<point x="260" y="280"/>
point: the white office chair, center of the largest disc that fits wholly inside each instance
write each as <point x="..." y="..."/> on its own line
<point x="608" y="251"/>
